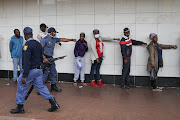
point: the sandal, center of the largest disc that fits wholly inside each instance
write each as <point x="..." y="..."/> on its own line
<point x="75" y="84"/>
<point x="83" y="84"/>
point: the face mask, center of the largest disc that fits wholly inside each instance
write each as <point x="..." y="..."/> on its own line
<point x="97" y="36"/>
<point x="51" y="35"/>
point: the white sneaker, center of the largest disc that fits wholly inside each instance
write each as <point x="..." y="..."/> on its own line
<point x="157" y="89"/>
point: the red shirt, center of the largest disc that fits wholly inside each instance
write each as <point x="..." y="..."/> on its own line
<point x="99" y="48"/>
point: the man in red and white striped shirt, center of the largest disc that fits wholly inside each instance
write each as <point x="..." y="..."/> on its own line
<point x="126" y="50"/>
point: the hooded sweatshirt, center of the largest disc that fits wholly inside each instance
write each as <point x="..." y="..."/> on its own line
<point x="126" y="46"/>
<point x="15" y="46"/>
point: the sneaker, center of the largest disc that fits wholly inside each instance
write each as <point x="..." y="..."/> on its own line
<point x="157" y="89"/>
<point x="123" y="87"/>
<point x="15" y="82"/>
<point x="93" y="84"/>
<point x="99" y="82"/>
<point x="83" y="84"/>
<point x="127" y="87"/>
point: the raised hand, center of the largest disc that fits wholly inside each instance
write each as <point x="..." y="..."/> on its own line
<point x="144" y="43"/>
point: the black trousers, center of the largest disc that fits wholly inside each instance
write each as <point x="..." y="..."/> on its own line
<point x="154" y="84"/>
<point x="125" y="81"/>
<point x="154" y="81"/>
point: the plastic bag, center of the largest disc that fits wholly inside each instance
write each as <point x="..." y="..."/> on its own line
<point x="78" y="64"/>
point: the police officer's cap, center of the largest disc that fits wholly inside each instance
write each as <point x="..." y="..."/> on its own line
<point x="28" y="31"/>
<point x="126" y="30"/>
<point x="51" y="30"/>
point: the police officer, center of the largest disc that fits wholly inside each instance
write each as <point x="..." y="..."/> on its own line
<point x="32" y="73"/>
<point x="126" y="50"/>
<point x="48" y="44"/>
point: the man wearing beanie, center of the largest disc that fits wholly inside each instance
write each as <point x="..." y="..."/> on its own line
<point x="126" y="50"/>
<point x="155" y="60"/>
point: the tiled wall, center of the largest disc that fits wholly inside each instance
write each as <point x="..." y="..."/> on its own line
<point x="70" y="17"/>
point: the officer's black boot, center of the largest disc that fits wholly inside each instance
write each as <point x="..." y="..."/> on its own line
<point x="54" y="88"/>
<point x="18" y="109"/>
<point x="54" y="105"/>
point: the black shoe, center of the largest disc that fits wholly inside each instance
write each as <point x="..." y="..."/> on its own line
<point x="127" y="87"/>
<point x="15" y="82"/>
<point x="123" y="87"/>
<point x="54" y="105"/>
<point x="54" y="88"/>
<point x="18" y="109"/>
<point x="132" y="86"/>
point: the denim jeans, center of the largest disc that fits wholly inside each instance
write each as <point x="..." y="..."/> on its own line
<point x="16" y="62"/>
<point x="96" y="66"/>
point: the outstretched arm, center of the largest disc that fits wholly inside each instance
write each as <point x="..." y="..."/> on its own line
<point x="167" y="46"/>
<point x="109" y="39"/>
<point x="118" y="39"/>
<point x="135" y="42"/>
<point x="67" y="40"/>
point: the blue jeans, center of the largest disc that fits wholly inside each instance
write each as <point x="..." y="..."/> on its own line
<point x="16" y="62"/>
<point x="34" y="77"/>
<point x="96" y="66"/>
<point x="53" y="74"/>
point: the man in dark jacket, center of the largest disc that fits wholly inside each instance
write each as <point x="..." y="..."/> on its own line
<point x="126" y="50"/>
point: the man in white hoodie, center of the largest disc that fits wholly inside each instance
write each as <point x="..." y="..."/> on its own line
<point x="97" y="57"/>
<point x="42" y="32"/>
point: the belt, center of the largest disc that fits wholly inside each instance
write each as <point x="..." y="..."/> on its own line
<point x="80" y="56"/>
<point x="39" y="67"/>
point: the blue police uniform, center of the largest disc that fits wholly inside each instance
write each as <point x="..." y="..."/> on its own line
<point x="31" y="61"/>
<point x="49" y="44"/>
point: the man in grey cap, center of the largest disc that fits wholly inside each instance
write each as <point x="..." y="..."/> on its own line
<point x="48" y="44"/>
<point x="32" y="73"/>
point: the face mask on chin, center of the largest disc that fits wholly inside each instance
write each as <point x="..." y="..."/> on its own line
<point x="97" y="36"/>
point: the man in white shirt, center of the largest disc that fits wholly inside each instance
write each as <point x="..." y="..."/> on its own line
<point x="42" y="32"/>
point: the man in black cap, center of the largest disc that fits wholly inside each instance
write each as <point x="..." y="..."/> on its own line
<point x="42" y="32"/>
<point x="32" y="59"/>
<point x="48" y="44"/>
<point x="126" y="50"/>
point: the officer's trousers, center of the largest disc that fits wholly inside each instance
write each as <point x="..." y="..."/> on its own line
<point x="53" y="74"/>
<point x="35" y="77"/>
<point x="125" y="80"/>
